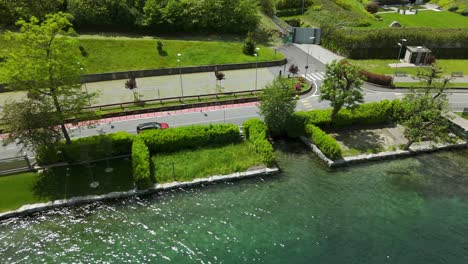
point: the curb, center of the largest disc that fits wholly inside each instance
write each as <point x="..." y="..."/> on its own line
<point x="29" y="209"/>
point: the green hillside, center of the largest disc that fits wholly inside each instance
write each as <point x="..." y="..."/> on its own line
<point x="458" y="6"/>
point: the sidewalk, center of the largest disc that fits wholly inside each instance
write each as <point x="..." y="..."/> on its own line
<point x="156" y="87"/>
<point x="318" y="52"/>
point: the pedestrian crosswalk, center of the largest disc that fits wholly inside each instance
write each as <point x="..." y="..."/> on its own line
<point x="314" y="76"/>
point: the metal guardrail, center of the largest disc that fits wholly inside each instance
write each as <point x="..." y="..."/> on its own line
<point x="278" y="21"/>
<point x="170" y="99"/>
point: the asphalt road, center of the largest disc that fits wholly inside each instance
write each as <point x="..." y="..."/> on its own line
<point x="458" y="102"/>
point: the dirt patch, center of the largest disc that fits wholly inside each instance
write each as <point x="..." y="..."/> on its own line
<point x="374" y="139"/>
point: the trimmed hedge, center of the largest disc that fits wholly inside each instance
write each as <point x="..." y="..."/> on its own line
<point x="381" y="43"/>
<point x="191" y="137"/>
<point x="365" y="114"/>
<point x="141" y="164"/>
<point x="324" y="142"/>
<point x="255" y="130"/>
<point x="372" y="77"/>
<point x="86" y="148"/>
<point x="379" y="79"/>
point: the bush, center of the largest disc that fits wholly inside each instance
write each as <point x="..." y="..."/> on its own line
<point x="141" y="164"/>
<point x="87" y="148"/>
<point x="249" y="45"/>
<point x="288" y="4"/>
<point x="190" y="137"/>
<point x="289" y="12"/>
<point x="324" y="142"/>
<point x="83" y="51"/>
<point x="255" y="130"/>
<point x="372" y="7"/>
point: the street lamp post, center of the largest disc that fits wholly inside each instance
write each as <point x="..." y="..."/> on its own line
<point x="180" y="75"/>
<point x="256" y="68"/>
<point x="399" y="54"/>
<point x="84" y="83"/>
<point x="308" y="52"/>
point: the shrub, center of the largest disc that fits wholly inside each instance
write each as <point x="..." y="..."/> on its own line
<point x="289" y="12"/>
<point x="249" y="45"/>
<point x="324" y="142"/>
<point x="372" y="7"/>
<point x="83" y="51"/>
<point x="255" y="130"/>
<point x="159" y="46"/>
<point x="190" y="137"/>
<point x="141" y="164"/>
<point x="87" y="148"/>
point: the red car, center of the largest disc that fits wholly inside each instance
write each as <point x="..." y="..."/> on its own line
<point x="151" y="125"/>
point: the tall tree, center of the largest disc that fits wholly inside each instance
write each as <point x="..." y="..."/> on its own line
<point x="342" y="86"/>
<point x="45" y="63"/>
<point x="423" y="112"/>
<point x="277" y="104"/>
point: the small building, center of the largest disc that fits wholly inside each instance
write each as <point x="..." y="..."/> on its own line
<point x="417" y="55"/>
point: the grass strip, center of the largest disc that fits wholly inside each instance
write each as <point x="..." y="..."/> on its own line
<point x="420" y="85"/>
<point x="190" y="164"/>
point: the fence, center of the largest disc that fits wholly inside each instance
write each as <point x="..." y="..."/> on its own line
<point x="15" y="164"/>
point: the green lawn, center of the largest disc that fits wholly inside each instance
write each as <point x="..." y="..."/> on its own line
<point x="425" y="19"/>
<point x="123" y="54"/>
<point x="198" y="163"/>
<point x="381" y="66"/>
<point x="27" y="188"/>
<point x="463" y="114"/>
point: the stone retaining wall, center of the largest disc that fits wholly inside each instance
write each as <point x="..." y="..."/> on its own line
<point x="382" y="155"/>
<point x="34" y="208"/>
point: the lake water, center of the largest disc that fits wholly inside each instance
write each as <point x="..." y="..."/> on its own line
<point x="413" y="210"/>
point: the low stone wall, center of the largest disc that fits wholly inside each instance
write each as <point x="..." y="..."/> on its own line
<point x="382" y="155"/>
<point x="34" y="208"/>
<point x="171" y="71"/>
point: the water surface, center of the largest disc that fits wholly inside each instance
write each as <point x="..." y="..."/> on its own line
<point x="413" y="210"/>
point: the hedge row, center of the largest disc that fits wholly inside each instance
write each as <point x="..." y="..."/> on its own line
<point x="324" y="142"/>
<point x="374" y="78"/>
<point x="87" y="148"/>
<point x="365" y="114"/>
<point x="255" y="130"/>
<point x="141" y="164"/>
<point x="379" y="79"/>
<point x="191" y="137"/>
<point x="381" y="43"/>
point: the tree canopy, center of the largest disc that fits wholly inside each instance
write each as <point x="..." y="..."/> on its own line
<point x="46" y="64"/>
<point x="342" y="86"/>
<point x="423" y="112"/>
<point x="277" y="104"/>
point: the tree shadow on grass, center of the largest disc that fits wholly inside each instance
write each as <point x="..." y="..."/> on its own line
<point x="57" y="183"/>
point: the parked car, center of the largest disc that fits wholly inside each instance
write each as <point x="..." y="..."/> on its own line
<point x="151" y="125"/>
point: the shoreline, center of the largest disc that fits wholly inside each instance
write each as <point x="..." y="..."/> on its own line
<point x="29" y="209"/>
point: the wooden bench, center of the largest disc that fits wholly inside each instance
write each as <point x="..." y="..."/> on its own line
<point x="400" y="74"/>
<point x="457" y="74"/>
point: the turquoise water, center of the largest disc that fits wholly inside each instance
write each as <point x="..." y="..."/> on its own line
<point x="402" y="211"/>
